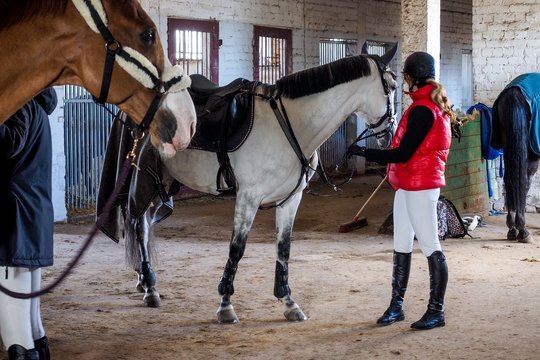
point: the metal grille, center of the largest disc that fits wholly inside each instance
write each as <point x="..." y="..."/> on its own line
<point x="332" y="151"/>
<point x="86" y="132"/>
<point x="194" y="45"/>
<point x="271" y="59"/>
<point x="272" y="50"/>
<point x="191" y="51"/>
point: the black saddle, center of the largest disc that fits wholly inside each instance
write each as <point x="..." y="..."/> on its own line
<point x="224" y="120"/>
<point x="220" y="110"/>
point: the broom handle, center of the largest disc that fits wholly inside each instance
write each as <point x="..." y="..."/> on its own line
<point x="367" y="201"/>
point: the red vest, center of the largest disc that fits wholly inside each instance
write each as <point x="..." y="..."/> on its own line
<point x="425" y="169"/>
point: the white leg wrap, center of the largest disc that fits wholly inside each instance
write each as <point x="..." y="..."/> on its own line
<point x="35" y="311"/>
<point x="15" y="320"/>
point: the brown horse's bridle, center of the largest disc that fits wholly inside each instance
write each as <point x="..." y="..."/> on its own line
<point x="114" y="48"/>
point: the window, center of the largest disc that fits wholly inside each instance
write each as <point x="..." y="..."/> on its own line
<point x="194" y="45"/>
<point x="272" y="53"/>
<point x="334" y="49"/>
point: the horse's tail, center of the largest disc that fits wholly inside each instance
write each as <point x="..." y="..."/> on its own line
<point x="134" y="229"/>
<point x="513" y="114"/>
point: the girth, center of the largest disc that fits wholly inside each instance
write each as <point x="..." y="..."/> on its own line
<point x="224" y="120"/>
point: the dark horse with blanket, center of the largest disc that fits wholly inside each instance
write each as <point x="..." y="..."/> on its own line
<point x="516" y="129"/>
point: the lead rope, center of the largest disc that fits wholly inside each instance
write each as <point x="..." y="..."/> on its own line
<point x="127" y="166"/>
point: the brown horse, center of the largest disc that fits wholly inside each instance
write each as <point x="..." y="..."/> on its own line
<point x="57" y="42"/>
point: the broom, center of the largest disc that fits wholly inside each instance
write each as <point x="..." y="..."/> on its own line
<point x="357" y="222"/>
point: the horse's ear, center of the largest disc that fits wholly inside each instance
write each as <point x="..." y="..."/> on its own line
<point x="364" y="49"/>
<point x="387" y="57"/>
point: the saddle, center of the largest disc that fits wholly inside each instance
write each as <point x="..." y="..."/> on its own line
<point x="224" y="120"/>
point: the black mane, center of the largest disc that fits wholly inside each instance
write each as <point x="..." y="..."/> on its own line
<point x="324" y="77"/>
<point x="15" y="11"/>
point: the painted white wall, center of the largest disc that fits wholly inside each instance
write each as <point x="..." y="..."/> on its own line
<point x="56" y="119"/>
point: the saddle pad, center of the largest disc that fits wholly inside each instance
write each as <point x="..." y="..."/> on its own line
<point x="529" y="84"/>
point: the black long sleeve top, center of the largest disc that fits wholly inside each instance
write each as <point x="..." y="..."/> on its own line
<point x="420" y="122"/>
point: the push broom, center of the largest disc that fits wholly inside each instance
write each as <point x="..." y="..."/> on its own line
<point x="357" y="222"/>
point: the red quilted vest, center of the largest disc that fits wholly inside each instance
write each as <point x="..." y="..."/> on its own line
<point x="425" y="169"/>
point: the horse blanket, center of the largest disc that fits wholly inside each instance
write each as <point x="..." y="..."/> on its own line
<point x="529" y="84"/>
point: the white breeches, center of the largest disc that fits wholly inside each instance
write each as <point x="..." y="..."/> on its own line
<point x="20" y="319"/>
<point x="415" y="213"/>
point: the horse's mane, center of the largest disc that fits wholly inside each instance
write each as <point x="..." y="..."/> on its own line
<point x="15" y="11"/>
<point x="324" y="77"/>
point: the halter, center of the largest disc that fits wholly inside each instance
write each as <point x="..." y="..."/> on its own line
<point x="133" y="62"/>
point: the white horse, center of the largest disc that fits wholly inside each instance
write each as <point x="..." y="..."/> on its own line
<point x="267" y="167"/>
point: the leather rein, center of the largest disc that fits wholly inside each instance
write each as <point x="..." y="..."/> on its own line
<point x="113" y="48"/>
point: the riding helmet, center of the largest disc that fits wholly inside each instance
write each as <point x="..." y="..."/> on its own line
<point x="420" y="65"/>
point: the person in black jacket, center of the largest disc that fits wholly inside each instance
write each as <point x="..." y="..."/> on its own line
<point x="26" y="238"/>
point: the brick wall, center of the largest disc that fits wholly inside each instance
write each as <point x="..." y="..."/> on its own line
<point x="506" y="43"/>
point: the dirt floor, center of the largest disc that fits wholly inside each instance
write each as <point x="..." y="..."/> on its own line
<point x="341" y="281"/>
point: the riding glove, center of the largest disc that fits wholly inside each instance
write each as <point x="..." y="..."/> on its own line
<point x="356" y="150"/>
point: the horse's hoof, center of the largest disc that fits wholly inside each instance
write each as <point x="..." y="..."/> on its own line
<point x="294" y="313"/>
<point x="226" y="315"/>
<point x="152" y="300"/>
<point x="139" y="287"/>
<point x="512" y="234"/>
<point x="526" y="240"/>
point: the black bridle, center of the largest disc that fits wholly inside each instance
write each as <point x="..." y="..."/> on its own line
<point x="389" y="115"/>
<point x="113" y="48"/>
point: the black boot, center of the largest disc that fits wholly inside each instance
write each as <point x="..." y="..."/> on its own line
<point x="400" y="278"/>
<point x="438" y="278"/>
<point x="42" y="346"/>
<point x="17" y="352"/>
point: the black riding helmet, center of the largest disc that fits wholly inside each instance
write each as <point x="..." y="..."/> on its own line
<point x="420" y="66"/>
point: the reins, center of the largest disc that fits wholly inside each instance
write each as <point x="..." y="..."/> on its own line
<point x="113" y="49"/>
<point x="125" y="170"/>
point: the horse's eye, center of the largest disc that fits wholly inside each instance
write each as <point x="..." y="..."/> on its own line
<point x="148" y="37"/>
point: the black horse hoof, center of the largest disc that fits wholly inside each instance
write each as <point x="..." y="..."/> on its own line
<point x="512" y="234"/>
<point x="525" y="237"/>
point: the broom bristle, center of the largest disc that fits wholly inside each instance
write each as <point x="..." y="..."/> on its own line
<point x="353" y="225"/>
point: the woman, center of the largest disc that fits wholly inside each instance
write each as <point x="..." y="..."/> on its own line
<point x="26" y="240"/>
<point x="416" y="162"/>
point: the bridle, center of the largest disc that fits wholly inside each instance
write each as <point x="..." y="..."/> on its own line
<point x="389" y="116"/>
<point x="133" y="62"/>
<point x="147" y="74"/>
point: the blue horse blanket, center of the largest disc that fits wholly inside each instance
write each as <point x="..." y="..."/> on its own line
<point x="529" y="84"/>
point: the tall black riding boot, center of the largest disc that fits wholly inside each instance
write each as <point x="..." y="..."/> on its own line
<point x="400" y="278"/>
<point x="42" y="346"/>
<point x="438" y="278"/>
<point x="17" y="352"/>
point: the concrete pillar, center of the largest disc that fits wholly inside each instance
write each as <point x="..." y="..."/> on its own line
<point x="421" y="31"/>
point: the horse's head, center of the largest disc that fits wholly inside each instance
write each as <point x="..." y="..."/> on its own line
<point x="380" y="114"/>
<point x="143" y="83"/>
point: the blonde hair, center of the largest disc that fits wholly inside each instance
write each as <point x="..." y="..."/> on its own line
<point x="438" y="95"/>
